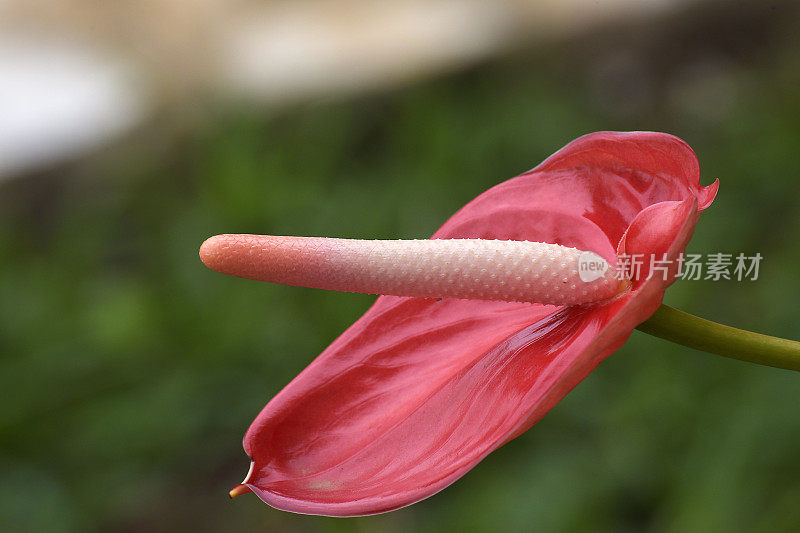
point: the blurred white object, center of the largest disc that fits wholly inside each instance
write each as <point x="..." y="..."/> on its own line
<point x="289" y="50"/>
<point x="286" y="50"/>
<point x="58" y="99"/>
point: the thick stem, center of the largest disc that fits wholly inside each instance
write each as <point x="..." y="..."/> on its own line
<point x="695" y="332"/>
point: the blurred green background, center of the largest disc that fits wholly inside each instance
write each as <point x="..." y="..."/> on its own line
<point x="129" y="372"/>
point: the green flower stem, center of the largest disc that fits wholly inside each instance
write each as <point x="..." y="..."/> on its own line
<point x="695" y="332"/>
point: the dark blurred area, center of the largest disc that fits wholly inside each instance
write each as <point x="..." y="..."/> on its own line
<point x="130" y="372"/>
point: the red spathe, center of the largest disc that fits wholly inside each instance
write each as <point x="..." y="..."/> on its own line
<point x="418" y="391"/>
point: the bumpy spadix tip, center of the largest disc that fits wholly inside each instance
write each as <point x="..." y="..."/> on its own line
<point x="212" y="251"/>
<point x="519" y="271"/>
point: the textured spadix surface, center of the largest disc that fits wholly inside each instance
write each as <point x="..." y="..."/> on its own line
<point x="417" y="391"/>
<point x="481" y="269"/>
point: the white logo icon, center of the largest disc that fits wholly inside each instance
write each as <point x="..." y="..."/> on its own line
<point x="591" y="266"/>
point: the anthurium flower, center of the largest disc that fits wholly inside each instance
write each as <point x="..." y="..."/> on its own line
<point x="420" y="389"/>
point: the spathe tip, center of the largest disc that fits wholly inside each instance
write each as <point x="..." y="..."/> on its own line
<point x="238" y="490"/>
<point x="242" y="488"/>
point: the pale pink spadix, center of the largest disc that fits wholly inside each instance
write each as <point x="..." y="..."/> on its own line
<point x="479" y="269"/>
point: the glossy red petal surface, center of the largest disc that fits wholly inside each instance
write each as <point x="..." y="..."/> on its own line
<point x="587" y="193"/>
<point x="417" y="391"/>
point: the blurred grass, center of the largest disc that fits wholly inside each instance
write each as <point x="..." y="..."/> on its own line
<point x="130" y="372"/>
